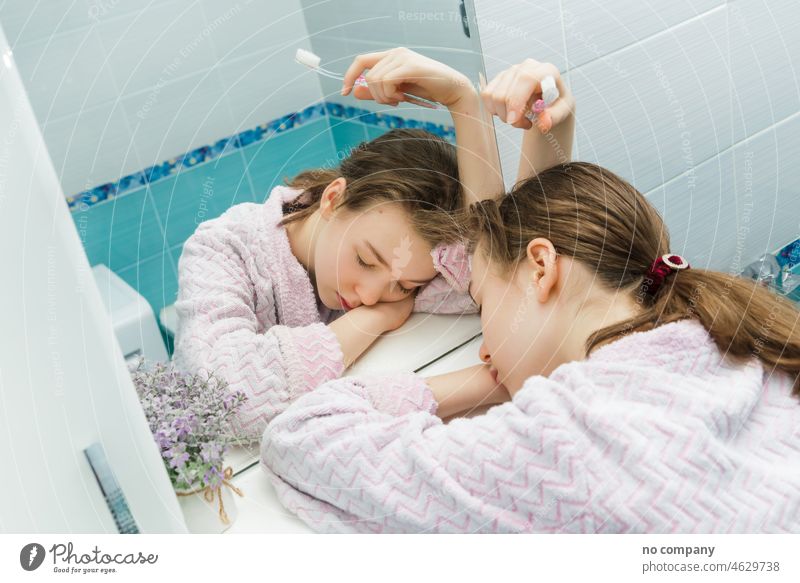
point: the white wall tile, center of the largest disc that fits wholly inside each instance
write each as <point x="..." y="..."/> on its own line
<point x="65" y="74"/>
<point x="654" y="109"/>
<point x="766" y="169"/>
<point x="26" y="21"/>
<point x="246" y="27"/>
<point x="728" y="211"/>
<point x="593" y="29"/>
<point x="363" y="20"/>
<point x="765" y="63"/>
<point x="699" y="208"/>
<point x="103" y="10"/>
<point x="511" y="31"/>
<point x="180" y="116"/>
<point x="156" y="46"/>
<point x="91" y="147"/>
<point x="267" y="85"/>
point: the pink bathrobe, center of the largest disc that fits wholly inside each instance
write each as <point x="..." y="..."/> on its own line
<point x="654" y="432"/>
<point x="248" y="312"/>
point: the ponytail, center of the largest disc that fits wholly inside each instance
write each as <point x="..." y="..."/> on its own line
<point x="743" y="318"/>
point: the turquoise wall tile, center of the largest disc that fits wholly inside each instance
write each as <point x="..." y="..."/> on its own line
<point x="175" y="252"/>
<point x="286" y="154"/>
<point x="374" y="131"/>
<point x="200" y="193"/>
<point x="155" y="279"/>
<point x="120" y="232"/>
<point x="347" y="134"/>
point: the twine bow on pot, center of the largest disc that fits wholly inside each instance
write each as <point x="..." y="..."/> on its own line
<point x="208" y="493"/>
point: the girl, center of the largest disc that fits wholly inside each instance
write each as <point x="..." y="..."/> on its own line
<point x="278" y="297"/>
<point x="645" y="395"/>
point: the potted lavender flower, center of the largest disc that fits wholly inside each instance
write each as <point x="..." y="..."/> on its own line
<point x="189" y="416"/>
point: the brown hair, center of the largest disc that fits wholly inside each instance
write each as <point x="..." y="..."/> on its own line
<point x="412" y="167"/>
<point x="597" y="218"/>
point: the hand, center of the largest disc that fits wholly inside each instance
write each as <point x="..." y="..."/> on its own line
<point x="466" y="389"/>
<point x="486" y="390"/>
<point x="512" y="93"/>
<point x="392" y="315"/>
<point x="401" y="70"/>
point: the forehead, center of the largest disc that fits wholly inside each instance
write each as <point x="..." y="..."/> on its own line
<point x="387" y="228"/>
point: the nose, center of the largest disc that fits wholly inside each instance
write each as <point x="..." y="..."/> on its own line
<point x="369" y="294"/>
<point x="484" y="353"/>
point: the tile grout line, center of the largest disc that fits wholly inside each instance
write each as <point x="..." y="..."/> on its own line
<point x="694" y="167"/>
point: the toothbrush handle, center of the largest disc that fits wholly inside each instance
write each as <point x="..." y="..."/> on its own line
<point x="422" y="101"/>
<point x="411" y="98"/>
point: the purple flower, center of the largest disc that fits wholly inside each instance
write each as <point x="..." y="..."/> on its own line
<point x="189" y="416"/>
<point x="212" y="477"/>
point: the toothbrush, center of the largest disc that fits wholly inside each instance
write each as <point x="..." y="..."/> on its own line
<point x="312" y="61"/>
<point x="549" y="95"/>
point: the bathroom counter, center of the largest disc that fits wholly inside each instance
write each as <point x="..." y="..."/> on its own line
<point x="452" y="344"/>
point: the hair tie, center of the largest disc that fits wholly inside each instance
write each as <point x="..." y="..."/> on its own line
<point x="660" y="269"/>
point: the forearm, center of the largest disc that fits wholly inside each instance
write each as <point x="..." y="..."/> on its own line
<point x="478" y="160"/>
<point x="465" y="389"/>
<point x="542" y="151"/>
<point x="356" y="331"/>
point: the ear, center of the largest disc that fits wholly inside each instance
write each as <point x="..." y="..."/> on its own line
<point x="331" y="196"/>
<point x="541" y="260"/>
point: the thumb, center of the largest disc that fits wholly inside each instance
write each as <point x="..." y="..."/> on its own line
<point x="362" y="92"/>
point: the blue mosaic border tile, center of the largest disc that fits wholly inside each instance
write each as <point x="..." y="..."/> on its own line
<point x="789" y="256"/>
<point x="151" y="174"/>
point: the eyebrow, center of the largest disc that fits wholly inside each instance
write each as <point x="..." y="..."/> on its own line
<point x="386" y="265"/>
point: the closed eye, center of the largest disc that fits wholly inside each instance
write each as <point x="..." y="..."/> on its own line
<point x="366" y="265"/>
<point x="362" y="263"/>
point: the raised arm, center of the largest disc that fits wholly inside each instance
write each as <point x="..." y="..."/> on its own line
<point x="400" y="70"/>
<point x="478" y="159"/>
<point x="549" y="140"/>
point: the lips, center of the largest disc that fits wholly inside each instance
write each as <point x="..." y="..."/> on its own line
<point x="493" y="372"/>
<point x="342" y="301"/>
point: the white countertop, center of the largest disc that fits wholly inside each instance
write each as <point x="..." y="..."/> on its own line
<point x="427" y="344"/>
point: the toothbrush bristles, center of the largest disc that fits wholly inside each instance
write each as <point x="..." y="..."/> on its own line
<point x="307" y="58"/>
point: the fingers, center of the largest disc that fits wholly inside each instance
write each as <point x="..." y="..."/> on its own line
<point x="491" y="96"/>
<point x="361" y="62"/>
<point x="519" y="97"/>
<point x="512" y="92"/>
<point x="381" y="86"/>
<point x="362" y="92"/>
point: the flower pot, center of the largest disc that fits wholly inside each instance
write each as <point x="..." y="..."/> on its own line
<point x="210" y="510"/>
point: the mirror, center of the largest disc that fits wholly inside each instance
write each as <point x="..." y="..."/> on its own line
<point x="161" y="116"/>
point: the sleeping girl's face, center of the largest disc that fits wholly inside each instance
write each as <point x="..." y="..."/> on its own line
<point x="540" y="315"/>
<point x="370" y="256"/>
<point x="522" y="315"/>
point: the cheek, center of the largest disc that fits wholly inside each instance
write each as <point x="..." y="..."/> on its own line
<point x="330" y="259"/>
<point x="507" y="335"/>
